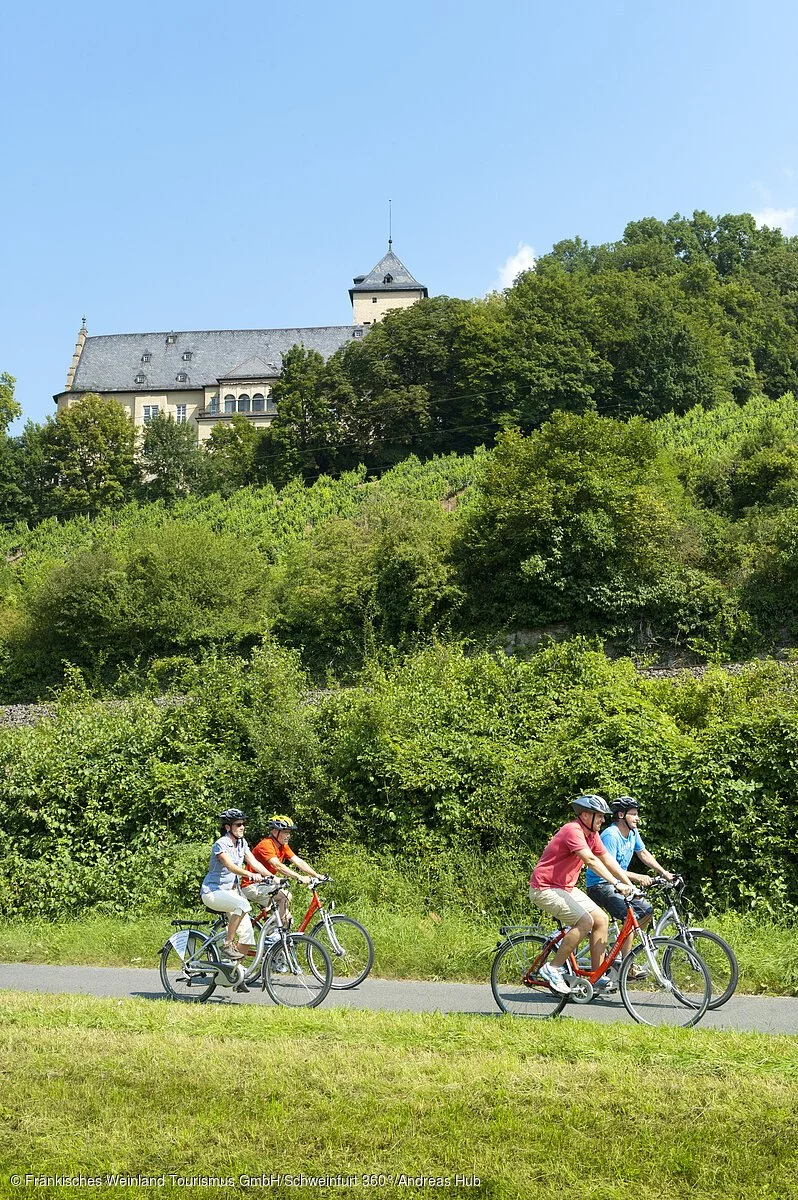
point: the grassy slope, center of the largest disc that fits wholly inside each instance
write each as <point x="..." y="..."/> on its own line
<point x="545" y="1110"/>
<point x="409" y="945"/>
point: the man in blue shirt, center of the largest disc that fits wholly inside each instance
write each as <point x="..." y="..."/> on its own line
<point x="622" y="841"/>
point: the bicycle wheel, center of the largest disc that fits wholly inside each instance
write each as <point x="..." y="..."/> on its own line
<point x="190" y="984"/>
<point x="674" y="991"/>
<point x="515" y="961"/>
<point x="350" y="948"/>
<point x="290" y="979"/>
<point x="718" y="956"/>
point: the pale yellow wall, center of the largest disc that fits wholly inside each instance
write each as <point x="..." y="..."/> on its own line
<point x="259" y="420"/>
<point x="134" y="403"/>
<point x="366" y="312"/>
<point x="197" y="403"/>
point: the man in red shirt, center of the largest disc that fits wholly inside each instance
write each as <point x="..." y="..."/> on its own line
<point x="553" y="889"/>
<point x="274" y="853"/>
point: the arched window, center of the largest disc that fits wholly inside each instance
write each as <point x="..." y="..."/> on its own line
<point x="229" y="403"/>
<point x="387" y="279"/>
<point x="243" y="403"/>
<point x="258" y="402"/>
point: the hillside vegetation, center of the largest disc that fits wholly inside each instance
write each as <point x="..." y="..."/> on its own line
<point x="458" y="764"/>
<point x="600" y="465"/>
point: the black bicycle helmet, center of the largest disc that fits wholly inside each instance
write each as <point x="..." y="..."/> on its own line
<point x="591" y="803"/>
<point x="622" y="805"/>
<point x="231" y="815"/>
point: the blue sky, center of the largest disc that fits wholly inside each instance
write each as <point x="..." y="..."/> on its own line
<point x="187" y="166"/>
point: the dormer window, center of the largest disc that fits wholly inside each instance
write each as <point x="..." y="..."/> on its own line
<point x="187" y="356"/>
<point x="388" y="279"/>
<point x="171" y="338"/>
<point x="140" y="378"/>
<point x="181" y="377"/>
<point x="357" y="333"/>
<point x="146" y="356"/>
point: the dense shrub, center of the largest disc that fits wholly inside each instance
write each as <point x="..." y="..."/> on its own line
<point x="114" y="805"/>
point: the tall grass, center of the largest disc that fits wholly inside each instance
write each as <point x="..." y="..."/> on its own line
<point x="435" y="917"/>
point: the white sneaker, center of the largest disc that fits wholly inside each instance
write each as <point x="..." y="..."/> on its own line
<point x="555" y="978"/>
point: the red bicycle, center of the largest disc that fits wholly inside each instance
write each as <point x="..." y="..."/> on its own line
<point x="661" y="981"/>
<point x="348" y="944"/>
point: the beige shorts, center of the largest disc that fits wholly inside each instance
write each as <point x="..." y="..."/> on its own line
<point x="568" y="907"/>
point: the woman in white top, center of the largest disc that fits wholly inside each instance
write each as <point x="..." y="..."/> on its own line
<point x="220" y="889"/>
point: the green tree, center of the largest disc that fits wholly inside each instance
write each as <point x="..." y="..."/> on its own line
<point x="577" y="521"/>
<point x="172" y="463"/>
<point x="10" y="408"/>
<point x="90" y="451"/>
<point x="304" y="437"/>
<point x="11" y="494"/>
<point x="551" y="353"/>
<point x="233" y="455"/>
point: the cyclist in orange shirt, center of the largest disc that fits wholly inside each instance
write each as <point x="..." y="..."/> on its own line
<point x="274" y="854"/>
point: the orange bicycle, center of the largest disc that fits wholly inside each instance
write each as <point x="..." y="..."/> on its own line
<point x="661" y="981"/>
<point x="348" y="944"/>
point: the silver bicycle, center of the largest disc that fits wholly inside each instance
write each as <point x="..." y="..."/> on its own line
<point x="717" y="954"/>
<point x="295" y="969"/>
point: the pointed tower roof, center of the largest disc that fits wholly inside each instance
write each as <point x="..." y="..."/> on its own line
<point x="389" y="275"/>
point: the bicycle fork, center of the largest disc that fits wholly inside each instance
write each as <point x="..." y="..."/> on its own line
<point x="335" y="945"/>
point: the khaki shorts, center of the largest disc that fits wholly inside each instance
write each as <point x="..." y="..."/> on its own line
<point x="568" y="907"/>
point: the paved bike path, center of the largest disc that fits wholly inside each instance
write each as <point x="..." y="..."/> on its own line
<point x="767" y="1014"/>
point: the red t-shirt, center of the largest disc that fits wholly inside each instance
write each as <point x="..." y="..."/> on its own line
<point x="559" y="864"/>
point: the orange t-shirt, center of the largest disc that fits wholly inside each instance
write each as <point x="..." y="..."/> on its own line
<point x="269" y="848"/>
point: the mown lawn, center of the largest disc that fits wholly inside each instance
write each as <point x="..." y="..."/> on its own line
<point x="546" y="1110"/>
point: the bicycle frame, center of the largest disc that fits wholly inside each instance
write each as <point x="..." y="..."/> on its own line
<point x="317" y="906"/>
<point x="314" y="907"/>
<point x="231" y="974"/>
<point x="630" y="925"/>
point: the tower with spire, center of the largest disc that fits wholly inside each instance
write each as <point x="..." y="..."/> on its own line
<point x="388" y="285"/>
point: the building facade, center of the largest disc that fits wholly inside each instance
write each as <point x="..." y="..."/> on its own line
<point x="203" y="378"/>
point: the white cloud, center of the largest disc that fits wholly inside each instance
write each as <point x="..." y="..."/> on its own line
<point x="778" y="218"/>
<point x="522" y="260"/>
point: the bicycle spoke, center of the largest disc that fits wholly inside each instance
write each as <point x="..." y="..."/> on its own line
<point x="669" y="984"/>
<point x="515" y="987"/>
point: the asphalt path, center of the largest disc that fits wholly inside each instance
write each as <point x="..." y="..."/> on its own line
<point x="766" y="1014"/>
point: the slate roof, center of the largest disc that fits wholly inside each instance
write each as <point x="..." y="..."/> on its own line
<point x="389" y="264"/>
<point x="111" y="362"/>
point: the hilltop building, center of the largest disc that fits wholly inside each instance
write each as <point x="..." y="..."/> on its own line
<point x="205" y="377"/>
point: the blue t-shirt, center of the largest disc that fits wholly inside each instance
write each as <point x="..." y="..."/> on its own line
<point x="620" y="848"/>
<point x="219" y="877"/>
